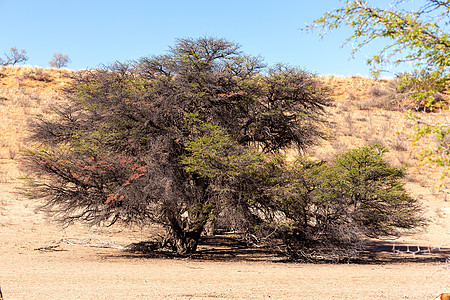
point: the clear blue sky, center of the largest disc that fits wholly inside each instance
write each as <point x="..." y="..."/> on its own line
<point x="96" y="32"/>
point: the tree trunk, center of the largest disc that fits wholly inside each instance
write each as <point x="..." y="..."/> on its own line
<point x="184" y="242"/>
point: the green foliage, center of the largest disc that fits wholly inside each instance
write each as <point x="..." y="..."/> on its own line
<point x="421" y="91"/>
<point x="439" y="155"/>
<point x="213" y="154"/>
<point x="362" y="180"/>
<point x="414" y="34"/>
<point x="332" y="206"/>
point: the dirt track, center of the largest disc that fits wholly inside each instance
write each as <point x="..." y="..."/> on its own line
<point x="37" y="262"/>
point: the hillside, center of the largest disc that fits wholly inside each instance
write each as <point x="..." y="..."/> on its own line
<point x="358" y="116"/>
<point x="25" y="92"/>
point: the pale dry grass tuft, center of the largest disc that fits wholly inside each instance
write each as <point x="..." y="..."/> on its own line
<point x="352" y="88"/>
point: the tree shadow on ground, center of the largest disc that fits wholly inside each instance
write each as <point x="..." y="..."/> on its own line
<point x="377" y="251"/>
<point x="229" y="247"/>
<point x="235" y="248"/>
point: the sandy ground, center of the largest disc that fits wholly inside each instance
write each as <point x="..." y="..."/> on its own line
<point x="40" y="260"/>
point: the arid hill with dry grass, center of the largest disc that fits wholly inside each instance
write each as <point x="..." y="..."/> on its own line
<point x="26" y="92"/>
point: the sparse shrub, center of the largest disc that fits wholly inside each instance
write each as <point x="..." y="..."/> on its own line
<point x="385" y="125"/>
<point x="379" y="98"/>
<point x="330" y="207"/>
<point x="364" y="104"/>
<point x="12" y="153"/>
<point x="371" y="103"/>
<point x="14" y="57"/>
<point x="374" y="140"/>
<point x="344" y="105"/>
<point x="398" y="143"/>
<point x="351" y="97"/>
<point x="38" y="74"/>
<point x="361" y="119"/>
<point x="402" y="159"/>
<point x="444" y="140"/>
<point x="339" y="146"/>
<point x="59" y="60"/>
<point x="377" y="92"/>
<point x="3" y="177"/>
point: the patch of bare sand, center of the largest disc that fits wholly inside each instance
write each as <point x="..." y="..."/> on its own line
<point x="100" y="274"/>
<point x="38" y="263"/>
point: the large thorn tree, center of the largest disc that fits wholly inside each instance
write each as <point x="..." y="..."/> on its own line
<point x="177" y="140"/>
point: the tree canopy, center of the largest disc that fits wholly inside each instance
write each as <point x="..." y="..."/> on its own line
<point x="59" y="60"/>
<point x="332" y="205"/>
<point x="414" y="33"/>
<point x="174" y="139"/>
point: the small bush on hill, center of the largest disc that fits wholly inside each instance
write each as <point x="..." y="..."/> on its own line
<point x="59" y="60"/>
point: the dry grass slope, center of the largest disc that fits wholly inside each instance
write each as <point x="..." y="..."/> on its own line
<point x="25" y="92"/>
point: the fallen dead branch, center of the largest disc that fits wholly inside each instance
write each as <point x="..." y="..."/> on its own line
<point x="49" y="248"/>
<point x="90" y="242"/>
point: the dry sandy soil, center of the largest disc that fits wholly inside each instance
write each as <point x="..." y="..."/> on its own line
<point x="41" y="260"/>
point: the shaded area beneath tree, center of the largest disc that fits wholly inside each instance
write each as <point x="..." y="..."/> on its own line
<point x="233" y="247"/>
